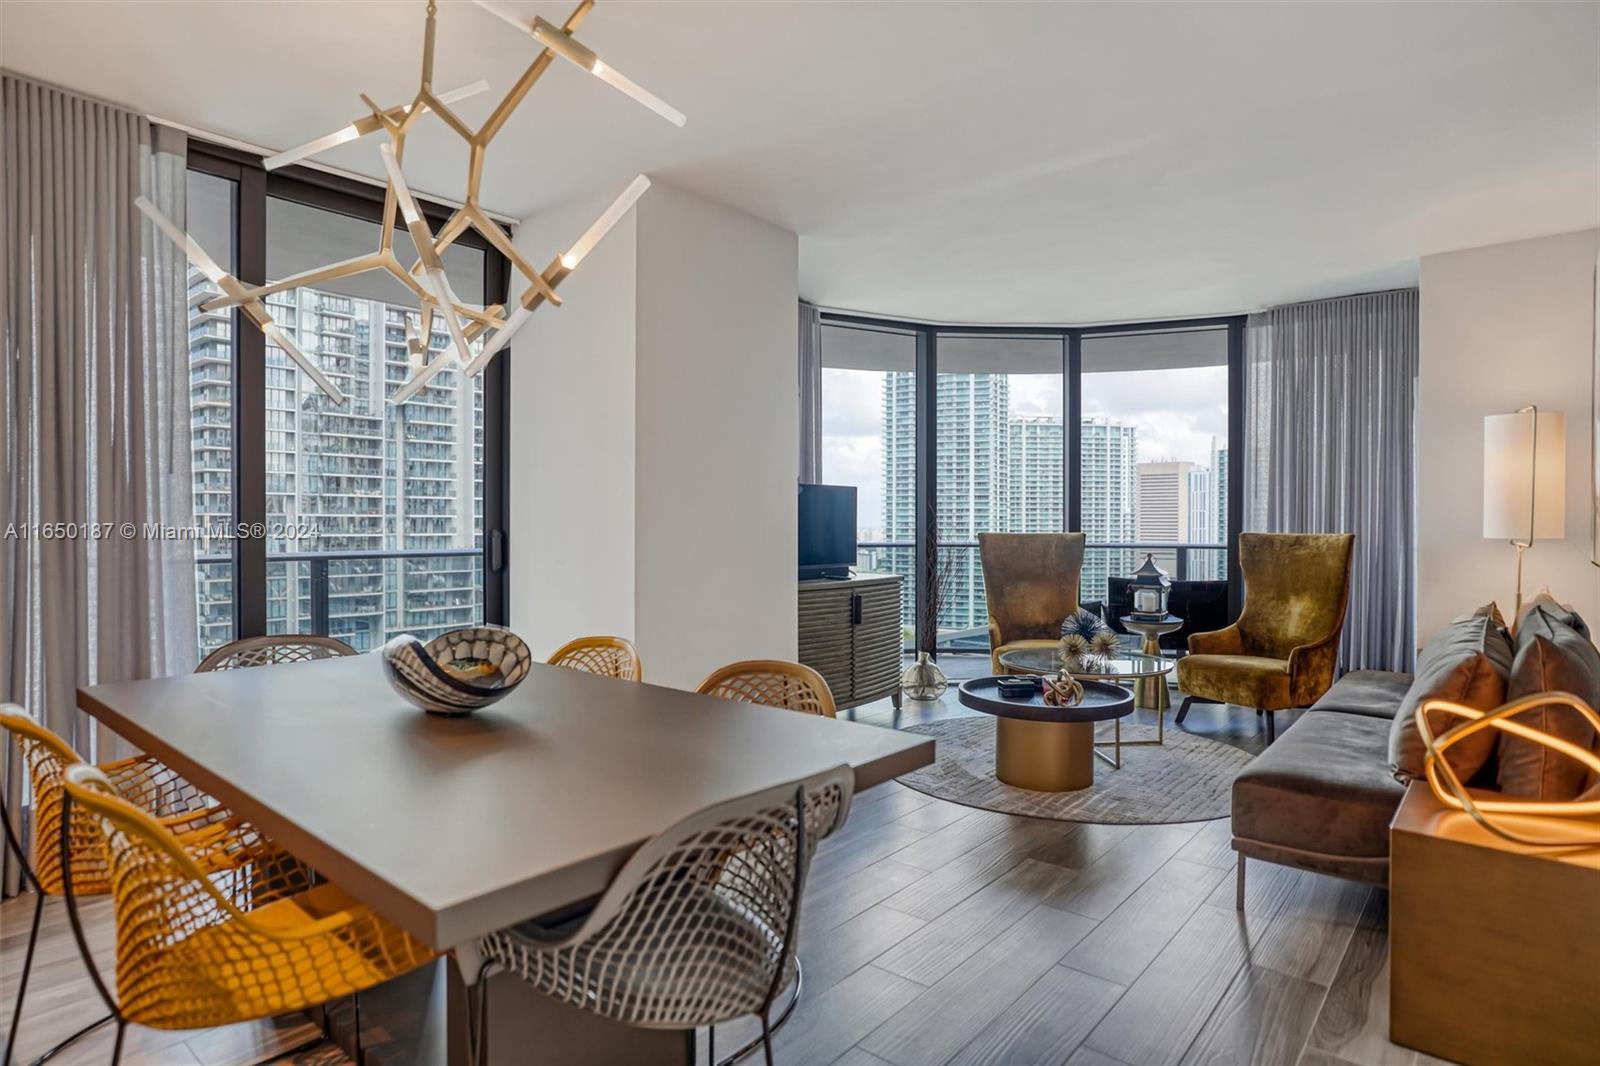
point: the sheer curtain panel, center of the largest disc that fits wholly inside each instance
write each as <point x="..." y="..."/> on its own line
<point x="95" y="446"/>
<point x="810" y="393"/>
<point x="1330" y="447"/>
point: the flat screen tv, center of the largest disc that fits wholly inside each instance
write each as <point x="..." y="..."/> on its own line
<point x="827" y="530"/>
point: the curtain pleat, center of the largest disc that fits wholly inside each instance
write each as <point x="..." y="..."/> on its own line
<point x="1331" y="399"/>
<point x="93" y="317"/>
<point x="810" y="394"/>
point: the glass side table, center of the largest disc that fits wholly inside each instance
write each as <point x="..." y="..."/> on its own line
<point x="1135" y="670"/>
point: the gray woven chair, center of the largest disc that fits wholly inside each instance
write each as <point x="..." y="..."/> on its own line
<point x="698" y="928"/>
<point x="265" y="651"/>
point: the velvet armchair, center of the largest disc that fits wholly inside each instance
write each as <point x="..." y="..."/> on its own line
<point x="1282" y="650"/>
<point x="1031" y="583"/>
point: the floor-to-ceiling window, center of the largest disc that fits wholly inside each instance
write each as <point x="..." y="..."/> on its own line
<point x="358" y="520"/>
<point x="999" y="461"/>
<point x="1120" y="431"/>
<point x="1154" y="453"/>
<point x="869" y="440"/>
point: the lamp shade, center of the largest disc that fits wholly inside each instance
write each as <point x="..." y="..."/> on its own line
<point x="1524" y="494"/>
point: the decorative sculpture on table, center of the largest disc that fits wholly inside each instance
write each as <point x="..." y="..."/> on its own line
<point x="459" y="672"/>
<point x="426" y="277"/>
<point x="1063" y="690"/>
<point x="1536" y="823"/>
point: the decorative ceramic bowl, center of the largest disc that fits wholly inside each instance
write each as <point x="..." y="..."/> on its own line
<point x="458" y="672"/>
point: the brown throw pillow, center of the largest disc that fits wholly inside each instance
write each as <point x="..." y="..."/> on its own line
<point x="1466" y="662"/>
<point x="1554" y="654"/>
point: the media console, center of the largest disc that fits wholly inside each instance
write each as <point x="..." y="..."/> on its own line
<point x="850" y="634"/>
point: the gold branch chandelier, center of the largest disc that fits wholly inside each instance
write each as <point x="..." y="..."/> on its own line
<point x="426" y="277"/>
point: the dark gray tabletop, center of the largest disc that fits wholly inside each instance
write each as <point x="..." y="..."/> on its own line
<point x="454" y="827"/>
<point x="1101" y="702"/>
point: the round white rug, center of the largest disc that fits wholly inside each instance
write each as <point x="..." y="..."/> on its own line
<point x="1187" y="779"/>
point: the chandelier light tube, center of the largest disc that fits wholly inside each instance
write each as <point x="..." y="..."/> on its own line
<point x="432" y="267"/>
<point x="573" y="52"/>
<point x="602" y="225"/>
<point x="361" y="127"/>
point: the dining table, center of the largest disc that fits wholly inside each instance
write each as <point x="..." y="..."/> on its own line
<point x="454" y="827"/>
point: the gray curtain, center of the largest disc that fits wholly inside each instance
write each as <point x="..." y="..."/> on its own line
<point x="1330" y="448"/>
<point x="94" y="386"/>
<point x="810" y="393"/>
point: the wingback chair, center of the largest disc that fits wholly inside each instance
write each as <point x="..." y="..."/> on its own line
<point x="1281" y="651"/>
<point x="1031" y="583"/>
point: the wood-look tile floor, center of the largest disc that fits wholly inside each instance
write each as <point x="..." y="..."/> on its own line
<point x="934" y="933"/>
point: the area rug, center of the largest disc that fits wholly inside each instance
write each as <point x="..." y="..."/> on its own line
<point x="1187" y="779"/>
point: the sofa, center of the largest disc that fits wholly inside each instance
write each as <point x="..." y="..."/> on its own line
<point x="1322" y="797"/>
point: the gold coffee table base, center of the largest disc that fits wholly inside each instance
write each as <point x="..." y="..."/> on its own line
<point x="1044" y="756"/>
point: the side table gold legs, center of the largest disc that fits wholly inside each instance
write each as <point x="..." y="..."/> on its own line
<point x="1044" y="756"/>
<point x="1150" y="693"/>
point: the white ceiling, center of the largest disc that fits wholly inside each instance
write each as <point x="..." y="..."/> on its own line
<point x="982" y="162"/>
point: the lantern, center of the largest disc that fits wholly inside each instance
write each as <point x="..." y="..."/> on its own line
<point x="1150" y="588"/>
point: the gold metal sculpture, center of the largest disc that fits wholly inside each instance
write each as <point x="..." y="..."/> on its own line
<point x="426" y="277"/>
<point x="1535" y="823"/>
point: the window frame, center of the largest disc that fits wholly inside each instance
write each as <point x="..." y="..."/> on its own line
<point x="253" y="186"/>
<point x="927" y="383"/>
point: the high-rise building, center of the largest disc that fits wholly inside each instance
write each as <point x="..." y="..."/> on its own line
<point x="1164" y="497"/>
<point x="1108" y="477"/>
<point x="366" y="478"/>
<point x="1038" y="487"/>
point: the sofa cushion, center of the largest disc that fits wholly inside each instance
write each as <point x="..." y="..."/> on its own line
<point x="1245" y="680"/>
<point x="1373" y="693"/>
<point x="1324" y="787"/>
<point x="1466" y="662"/>
<point x="1554" y="654"/>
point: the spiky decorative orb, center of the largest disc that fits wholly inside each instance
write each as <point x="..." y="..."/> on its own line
<point x="1104" y="643"/>
<point x="1084" y="623"/>
<point x="1074" y="646"/>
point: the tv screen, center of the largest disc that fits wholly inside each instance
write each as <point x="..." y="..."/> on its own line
<point x="827" y="530"/>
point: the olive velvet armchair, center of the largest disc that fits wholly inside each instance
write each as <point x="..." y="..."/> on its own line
<point x="1282" y="650"/>
<point x="1031" y="583"/>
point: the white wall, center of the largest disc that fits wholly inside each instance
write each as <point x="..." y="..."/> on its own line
<point x="1501" y="327"/>
<point x="653" y="420"/>
<point x="572" y="440"/>
<point x="718" y="409"/>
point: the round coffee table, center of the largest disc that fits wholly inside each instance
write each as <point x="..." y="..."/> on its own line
<point x="1041" y="747"/>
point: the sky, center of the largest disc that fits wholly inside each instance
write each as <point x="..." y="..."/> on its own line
<point x="1177" y="412"/>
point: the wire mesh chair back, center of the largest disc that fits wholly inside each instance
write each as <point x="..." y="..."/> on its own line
<point x="193" y="954"/>
<point x="144" y="780"/>
<point x="267" y="651"/>
<point x="698" y="926"/>
<point x="606" y="656"/>
<point x="772" y="683"/>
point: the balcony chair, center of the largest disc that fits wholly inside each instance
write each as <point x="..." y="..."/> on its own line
<point x="182" y="809"/>
<point x="1031" y="583"/>
<point x="191" y="955"/>
<point x="697" y="929"/>
<point x="772" y="683"/>
<point x="1282" y="650"/>
<point x="266" y="651"/>
<point x="606" y="656"/>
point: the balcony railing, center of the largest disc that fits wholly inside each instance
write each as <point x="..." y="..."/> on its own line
<point x="361" y="597"/>
<point x="963" y="617"/>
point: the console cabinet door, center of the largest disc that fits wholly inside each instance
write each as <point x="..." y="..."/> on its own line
<point x="877" y="642"/>
<point x="827" y="642"/>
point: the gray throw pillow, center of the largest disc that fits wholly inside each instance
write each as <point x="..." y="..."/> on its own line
<point x="1466" y="662"/>
<point x="1554" y="654"/>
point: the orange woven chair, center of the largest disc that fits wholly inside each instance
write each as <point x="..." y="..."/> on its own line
<point x="267" y="651"/>
<point x="772" y="683"/>
<point x="191" y="955"/>
<point x="180" y="807"/>
<point x="606" y="656"/>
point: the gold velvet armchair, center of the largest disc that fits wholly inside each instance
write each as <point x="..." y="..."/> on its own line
<point x="1031" y="583"/>
<point x="1281" y="652"/>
